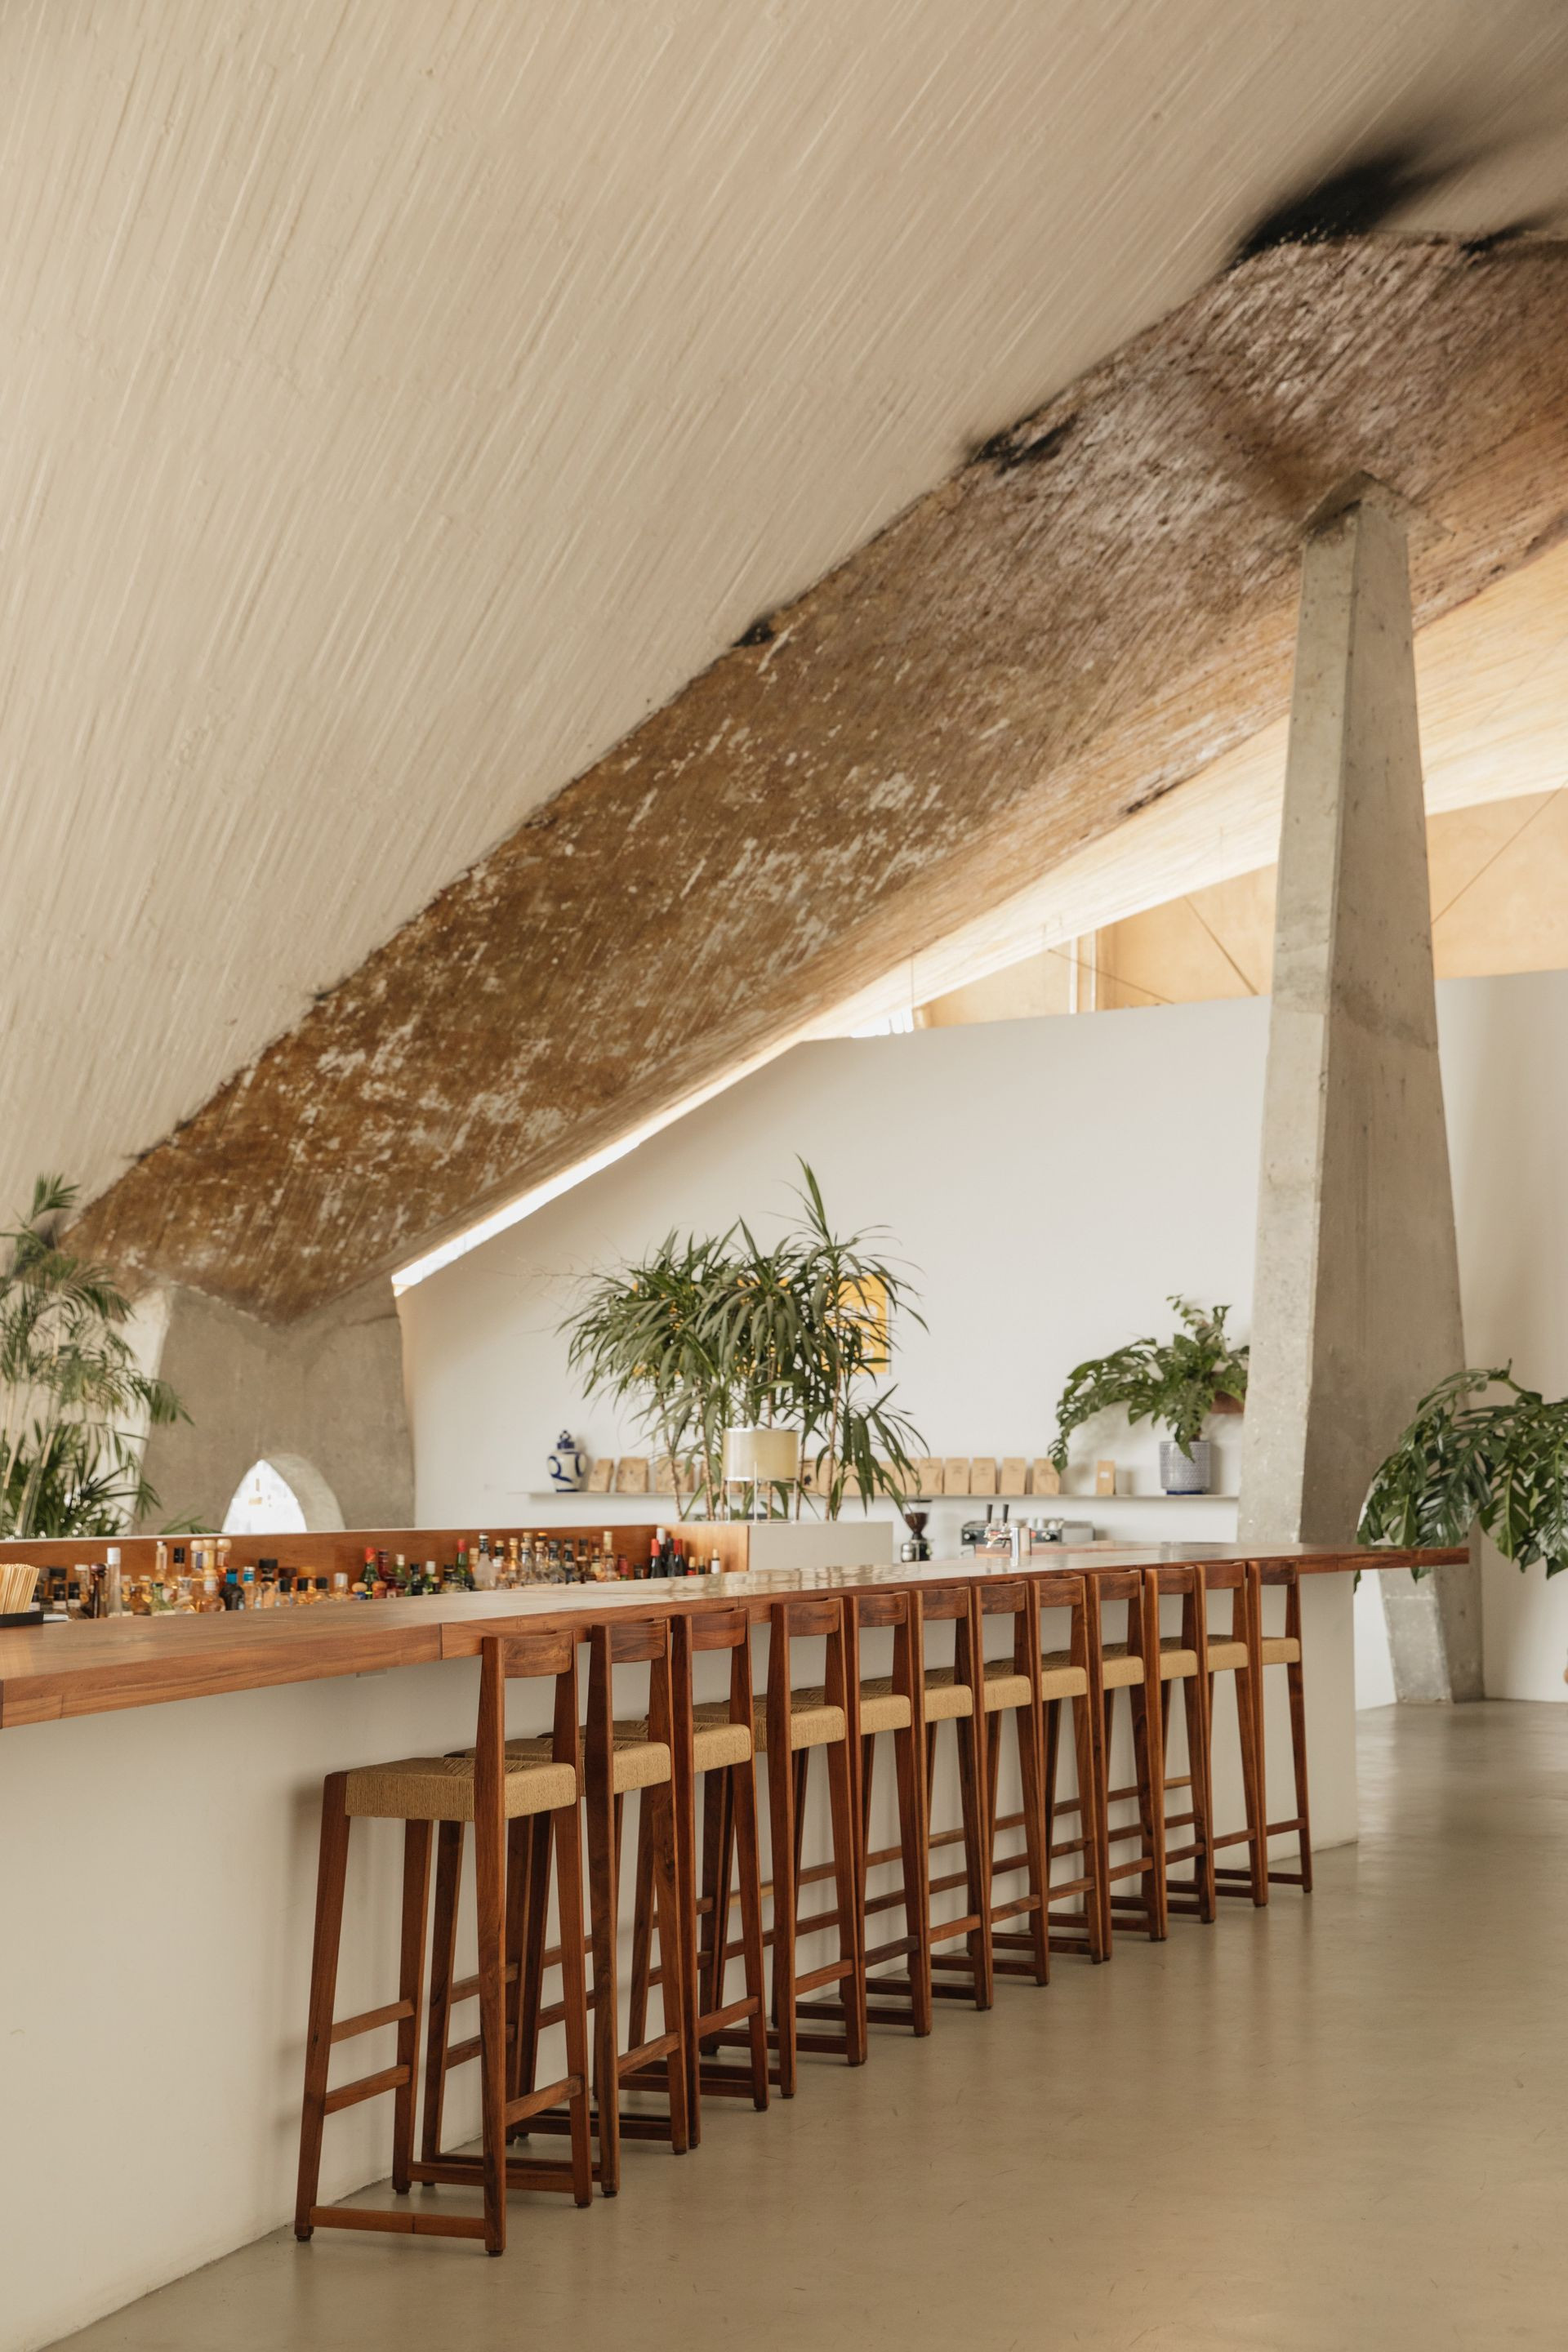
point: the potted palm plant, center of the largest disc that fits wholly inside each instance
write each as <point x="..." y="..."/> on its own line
<point x="75" y="1405"/>
<point x="1176" y="1383"/>
<point x="725" y="1336"/>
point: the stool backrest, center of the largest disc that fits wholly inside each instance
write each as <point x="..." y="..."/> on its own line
<point x="640" y="1640"/>
<point x="790" y="1621"/>
<point x="503" y="1658"/>
<point x="942" y="1604"/>
<point x="699" y="1631"/>
<point x="1059" y="1589"/>
<point x="1016" y="1597"/>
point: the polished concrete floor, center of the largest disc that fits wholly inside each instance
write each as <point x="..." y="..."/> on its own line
<point x="1337" y="2124"/>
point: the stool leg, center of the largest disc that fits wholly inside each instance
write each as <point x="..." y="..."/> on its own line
<point x="331" y="1873"/>
<point x="718" y="1843"/>
<point x="847" y="1881"/>
<point x="1092" y="1828"/>
<point x="1147" y="1750"/>
<point x="573" y="1989"/>
<point x="642" y="1934"/>
<point x="1031" y="1774"/>
<point x="971" y="1780"/>
<point x="914" y="1841"/>
<point x="443" y="1969"/>
<point x="1298" y="1695"/>
<point x="744" y="1813"/>
<point x="1249" y="1731"/>
<point x="781" y="1827"/>
<point x="490" y="1870"/>
<point x="417" y="1840"/>
<point x="603" y="1906"/>
<point x="657" y="1809"/>
<point x="535" y="1924"/>
<point x="1200" y="1771"/>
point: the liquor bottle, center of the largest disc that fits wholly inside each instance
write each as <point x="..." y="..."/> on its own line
<point x="228" y="1589"/>
<point x="432" y="1583"/>
<point x="160" y="1559"/>
<point x="340" y="1584"/>
<point x="113" y="1587"/>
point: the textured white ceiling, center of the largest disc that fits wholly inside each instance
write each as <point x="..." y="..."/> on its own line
<point x="404" y="399"/>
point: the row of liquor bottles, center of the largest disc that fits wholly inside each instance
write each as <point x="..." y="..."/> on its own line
<point x="198" y="1578"/>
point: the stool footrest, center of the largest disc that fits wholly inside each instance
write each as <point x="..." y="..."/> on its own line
<point x="1012" y="1910"/>
<point x="647" y="2054"/>
<point x="369" y="2087"/>
<point x="833" y="1973"/>
<point x="533" y="2102"/>
<point x="404" y="2219"/>
<point x="468" y="2172"/>
<point x="369" y="2019"/>
<point x="713" y="2020"/>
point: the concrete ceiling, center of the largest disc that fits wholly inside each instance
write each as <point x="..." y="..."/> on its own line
<point x="404" y="403"/>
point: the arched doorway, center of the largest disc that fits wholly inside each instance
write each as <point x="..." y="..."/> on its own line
<point x="282" y="1495"/>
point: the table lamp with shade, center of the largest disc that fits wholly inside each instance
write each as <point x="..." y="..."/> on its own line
<point x="760" y="1459"/>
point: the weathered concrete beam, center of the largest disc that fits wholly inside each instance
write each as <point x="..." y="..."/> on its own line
<point x="1356" y="1293"/>
<point x="1097" y="607"/>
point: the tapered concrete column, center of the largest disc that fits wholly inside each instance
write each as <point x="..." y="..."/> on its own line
<point x="1356" y="1299"/>
<point x="322" y="1399"/>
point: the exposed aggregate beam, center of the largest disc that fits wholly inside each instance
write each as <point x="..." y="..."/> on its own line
<point x="1098" y="606"/>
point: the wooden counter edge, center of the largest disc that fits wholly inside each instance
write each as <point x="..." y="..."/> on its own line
<point x="58" y="1693"/>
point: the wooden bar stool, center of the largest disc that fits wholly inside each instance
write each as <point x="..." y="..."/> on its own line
<point x="1275" y="1650"/>
<point x="1014" y="1686"/>
<point x="1185" y="1663"/>
<point x="793" y="1725"/>
<point x="493" y="1791"/>
<point x="886" y="1705"/>
<point x="1069" y="1677"/>
<point x="947" y="1695"/>
<point x="1195" y="1658"/>
<point x="719" y="1753"/>
<point x="1133" y="1666"/>
<point x="619" y="1756"/>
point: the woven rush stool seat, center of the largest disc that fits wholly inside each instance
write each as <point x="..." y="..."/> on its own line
<point x="510" y="1803"/>
<point x="813" y="1722"/>
<point x="882" y="1708"/>
<point x="1279" y="1650"/>
<point x="1061" y="1676"/>
<point x="638" y="1762"/>
<point x="441" y="1788"/>
<point x="1122" y="1667"/>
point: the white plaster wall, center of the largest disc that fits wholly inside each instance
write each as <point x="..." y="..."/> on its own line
<point x="1505" y="1073"/>
<point x="1050" y="1181"/>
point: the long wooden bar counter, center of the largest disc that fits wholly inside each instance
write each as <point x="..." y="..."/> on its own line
<point x="54" y="1672"/>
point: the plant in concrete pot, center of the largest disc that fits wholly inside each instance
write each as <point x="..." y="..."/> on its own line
<point x="75" y="1404"/>
<point x="1176" y="1383"/>
<point x="1504" y="1465"/>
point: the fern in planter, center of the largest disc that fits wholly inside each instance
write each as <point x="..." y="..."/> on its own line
<point x="1176" y="1383"/>
<point x="1504" y="1465"/>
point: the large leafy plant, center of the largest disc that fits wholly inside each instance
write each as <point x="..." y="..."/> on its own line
<point x="1177" y="1383"/>
<point x="74" y="1403"/>
<point x="1504" y="1465"/>
<point x="711" y="1334"/>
